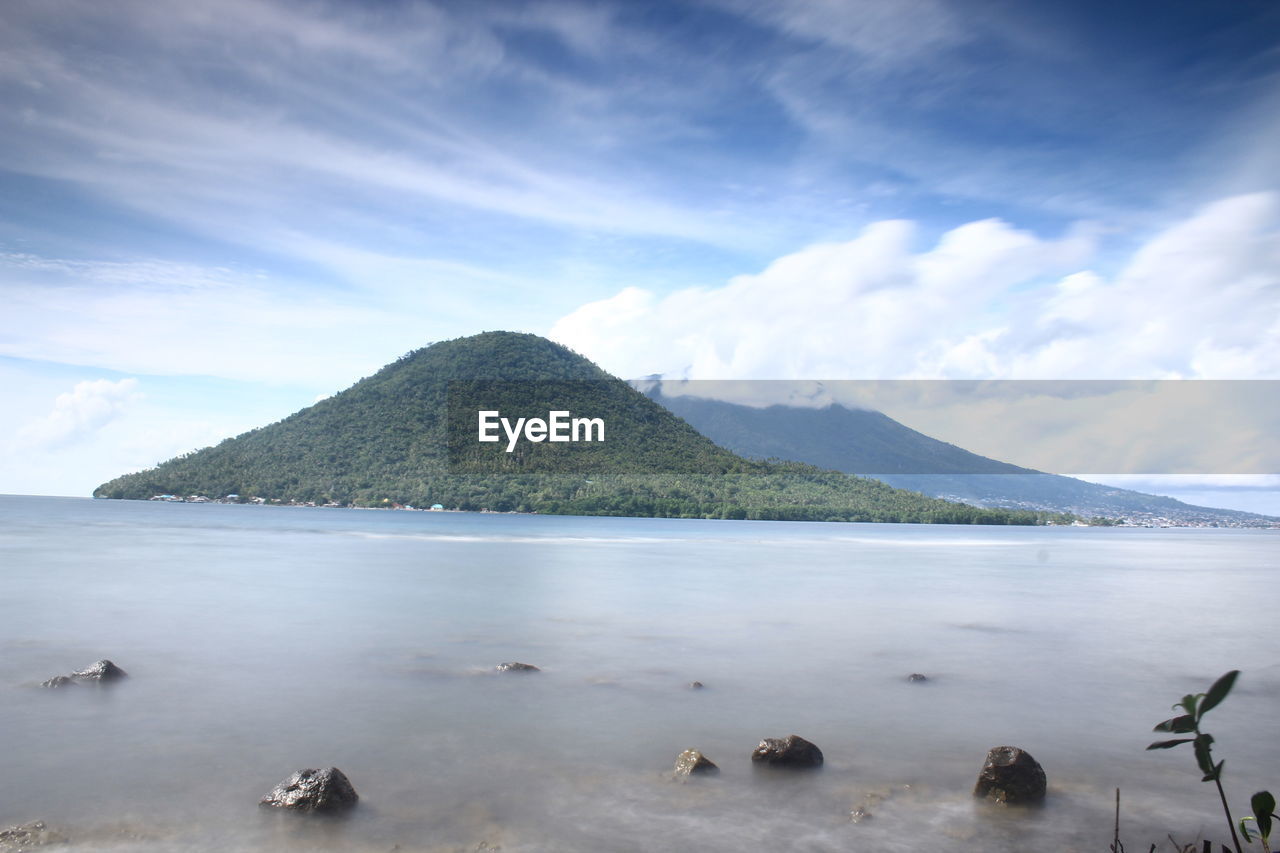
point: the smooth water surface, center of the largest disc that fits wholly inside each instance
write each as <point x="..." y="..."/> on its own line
<point x="262" y="640"/>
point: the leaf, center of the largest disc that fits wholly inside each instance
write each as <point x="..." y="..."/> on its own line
<point x="1264" y="806"/>
<point x="1218" y="691"/>
<point x="1178" y="725"/>
<point x="1244" y="829"/>
<point x="1169" y="744"/>
<point x="1188" y="703"/>
<point x="1204" y="757"/>
<point x="1216" y="773"/>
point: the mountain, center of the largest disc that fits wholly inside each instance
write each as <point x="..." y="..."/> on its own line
<point x="408" y="435"/>
<point x="872" y="444"/>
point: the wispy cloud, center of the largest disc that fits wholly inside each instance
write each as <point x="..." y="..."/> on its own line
<point x="884" y="33"/>
<point x="158" y="317"/>
<point x="252" y="120"/>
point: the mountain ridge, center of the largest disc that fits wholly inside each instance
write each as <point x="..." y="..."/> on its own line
<point x="389" y="440"/>
<point x="871" y="444"/>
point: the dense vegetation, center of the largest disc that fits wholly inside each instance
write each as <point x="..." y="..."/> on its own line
<point x="406" y="436"/>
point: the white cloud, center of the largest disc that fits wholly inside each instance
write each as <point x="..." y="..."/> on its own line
<point x="1200" y="299"/>
<point x="79" y="413"/>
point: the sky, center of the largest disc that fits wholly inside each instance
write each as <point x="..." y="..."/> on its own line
<point x="212" y="215"/>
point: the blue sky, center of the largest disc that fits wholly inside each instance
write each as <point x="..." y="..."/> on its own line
<point x="213" y="214"/>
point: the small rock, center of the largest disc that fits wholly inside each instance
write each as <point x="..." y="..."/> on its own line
<point x="916" y="677"/>
<point x="791" y="751"/>
<point x="696" y="685"/>
<point x="516" y="667"/>
<point x="1011" y="776"/>
<point x="16" y="839"/>
<point x="313" y="791"/>
<point x="59" y="681"/>
<point x="691" y="761"/>
<point x="103" y="670"/>
<point x="872" y="800"/>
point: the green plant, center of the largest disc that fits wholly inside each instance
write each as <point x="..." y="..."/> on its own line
<point x="1264" y="809"/>
<point x="1196" y="705"/>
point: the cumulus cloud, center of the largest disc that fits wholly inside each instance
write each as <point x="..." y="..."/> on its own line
<point x="1200" y="299"/>
<point x="80" y="413"/>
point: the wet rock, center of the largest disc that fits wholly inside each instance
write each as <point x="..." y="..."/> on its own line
<point x="19" y="838"/>
<point x="516" y="666"/>
<point x="791" y="751"/>
<point x="872" y="800"/>
<point x="313" y="791"/>
<point x="100" y="672"/>
<point x="917" y="677"/>
<point x="691" y="762"/>
<point x="103" y="670"/>
<point x="1011" y="776"/>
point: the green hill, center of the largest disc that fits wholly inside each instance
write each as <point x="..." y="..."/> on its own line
<point x="408" y="435"/>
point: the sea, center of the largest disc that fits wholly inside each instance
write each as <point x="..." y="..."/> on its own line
<point x="263" y="640"/>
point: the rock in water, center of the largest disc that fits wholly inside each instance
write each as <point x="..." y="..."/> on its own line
<point x="103" y="670"/>
<point x="692" y="762"/>
<point x="313" y="791"/>
<point x="916" y="677"/>
<point x="791" y="751"/>
<point x="1011" y="776"/>
<point x="516" y="667"/>
<point x="27" y="836"/>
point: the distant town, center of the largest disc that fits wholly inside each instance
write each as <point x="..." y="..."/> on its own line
<point x="1131" y="519"/>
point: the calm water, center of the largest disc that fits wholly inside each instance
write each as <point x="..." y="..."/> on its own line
<point x="264" y="640"/>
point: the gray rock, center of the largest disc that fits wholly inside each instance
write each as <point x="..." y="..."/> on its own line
<point x="516" y="667"/>
<point x="696" y="685"/>
<point x="16" y="839"/>
<point x="691" y="762"/>
<point x="917" y="677"/>
<point x="872" y="800"/>
<point x="1011" y="776"/>
<point x="791" y="751"/>
<point x="100" y="672"/>
<point x="103" y="670"/>
<point x="313" y="791"/>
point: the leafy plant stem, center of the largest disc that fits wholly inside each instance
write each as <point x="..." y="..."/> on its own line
<point x="1235" y="839"/>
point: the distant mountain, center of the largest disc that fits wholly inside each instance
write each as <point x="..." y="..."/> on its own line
<point x="408" y="436"/>
<point x="872" y="444"/>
